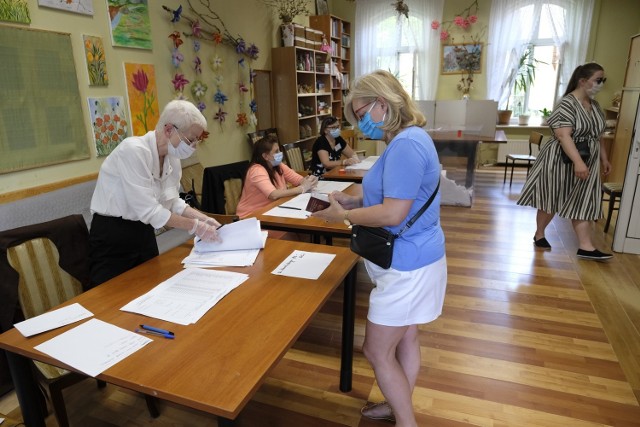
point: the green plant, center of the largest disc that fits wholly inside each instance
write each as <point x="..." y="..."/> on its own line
<point x="525" y="74"/>
<point x="545" y="112"/>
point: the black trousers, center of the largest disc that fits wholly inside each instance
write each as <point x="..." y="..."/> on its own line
<point x="117" y="245"/>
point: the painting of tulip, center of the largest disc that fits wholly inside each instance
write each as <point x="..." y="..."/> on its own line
<point x="129" y="23"/>
<point x="143" y="97"/>
<point x="96" y="61"/>
<point x="109" y="123"/>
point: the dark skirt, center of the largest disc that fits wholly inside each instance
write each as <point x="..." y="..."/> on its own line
<point x="117" y="245"/>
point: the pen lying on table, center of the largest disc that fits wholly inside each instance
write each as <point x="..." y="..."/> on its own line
<point x="158" y="334"/>
<point x="289" y="207"/>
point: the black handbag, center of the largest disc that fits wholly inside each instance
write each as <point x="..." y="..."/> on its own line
<point x="376" y="243"/>
<point x="583" y="149"/>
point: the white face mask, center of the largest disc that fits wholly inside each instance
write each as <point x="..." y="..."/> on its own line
<point x="595" y="88"/>
<point x="184" y="150"/>
<point x="277" y="159"/>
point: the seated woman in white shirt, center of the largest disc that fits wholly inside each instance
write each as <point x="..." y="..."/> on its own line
<point x="269" y="179"/>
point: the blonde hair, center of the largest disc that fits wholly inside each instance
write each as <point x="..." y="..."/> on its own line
<point x="402" y="112"/>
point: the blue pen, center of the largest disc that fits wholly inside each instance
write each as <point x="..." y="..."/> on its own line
<point x="158" y="330"/>
<point x="158" y="334"/>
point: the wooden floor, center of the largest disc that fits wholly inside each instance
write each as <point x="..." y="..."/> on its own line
<point x="527" y="338"/>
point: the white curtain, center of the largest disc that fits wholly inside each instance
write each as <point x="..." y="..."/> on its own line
<point x="376" y="40"/>
<point x="511" y="27"/>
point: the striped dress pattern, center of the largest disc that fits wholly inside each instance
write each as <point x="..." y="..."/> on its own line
<point x="551" y="185"/>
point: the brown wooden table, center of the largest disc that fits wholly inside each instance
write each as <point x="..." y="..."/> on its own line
<point x="216" y="364"/>
<point x="314" y="226"/>
<point x="447" y="144"/>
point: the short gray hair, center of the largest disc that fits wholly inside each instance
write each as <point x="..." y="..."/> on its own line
<point x="182" y="114"/>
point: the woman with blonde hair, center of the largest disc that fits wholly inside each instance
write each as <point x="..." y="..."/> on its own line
<point x="411" y="291"/>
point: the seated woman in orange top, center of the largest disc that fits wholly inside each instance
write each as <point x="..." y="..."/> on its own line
<point x="267" y="178"/>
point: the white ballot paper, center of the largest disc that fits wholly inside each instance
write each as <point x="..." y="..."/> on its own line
<point x="239" y="235"/>
<point x="365" y="164"/>
<point x="239" y="258"/>
<point x="328" y="187"/>
<point x="94" y="346"/>
<point x="294" y="208"/>
<point x="53" y="319"/>
<point x="185" y="297"/>
<point x="306" y="265"/>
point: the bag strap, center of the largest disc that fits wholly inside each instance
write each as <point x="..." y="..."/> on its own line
<point x="420" y="212"/>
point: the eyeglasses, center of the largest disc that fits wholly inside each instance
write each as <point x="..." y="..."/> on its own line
<point x="601" y="80"/>
<point x="191" y="142"/>
<point x="334" y="127"/>
<point x="363" y="107"/>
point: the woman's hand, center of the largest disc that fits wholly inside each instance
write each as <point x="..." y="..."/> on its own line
<point x="581" y="170"/>
<point x="346" y="201"/>
<point x="606" y="167"/>
<point x="206" y="232"/>
<point x="334" y="213"/>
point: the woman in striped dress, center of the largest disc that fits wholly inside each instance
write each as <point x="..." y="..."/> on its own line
<point x="571" y="188"/>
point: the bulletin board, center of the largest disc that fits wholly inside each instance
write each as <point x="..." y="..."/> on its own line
<point x="41" y="119"/>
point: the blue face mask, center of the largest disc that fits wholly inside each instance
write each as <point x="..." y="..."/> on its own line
<point x="334" y="133"/>
<point x="369" y="128"/>
<point x="277" y="159"/>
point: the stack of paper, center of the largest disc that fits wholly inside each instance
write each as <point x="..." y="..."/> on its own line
<point x="365" y="164"/>
<point x="238" y="258"/>
<point x="240" y="235"/>
<point x="187" y="296"/>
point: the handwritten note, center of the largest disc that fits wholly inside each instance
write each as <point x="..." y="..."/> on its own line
<point x="306" y="265"/>
<point x="94" y="346"/>
<point x="53" y="319"/>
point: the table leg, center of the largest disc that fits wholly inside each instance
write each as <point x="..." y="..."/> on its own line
<point x="472" y="150"/>
<point x="29" y="396"/>
<point x="348" y="329"/>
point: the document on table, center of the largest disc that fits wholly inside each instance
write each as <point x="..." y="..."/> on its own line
<point x="185" y="297"/>
<point x="239" y="258"/>
<point x="53" y="319"/>
<point x="328" y="187"/>
<point x="239" y="235"/>
<point x="94" y="346"/>
<point x="306" y="265"/>
<point x="293" y="208"/>
<point x="365" y="164"/>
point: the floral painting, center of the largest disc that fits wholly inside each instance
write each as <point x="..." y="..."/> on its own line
<point x="15" y="11"/>
<point x="109" y="123"/>
<point x="461" y="58"/>
<point x="143" y="97"/>
<point x="130" y="24"/>
<point x="84" y="7"/>
<point x="96" y="61"/>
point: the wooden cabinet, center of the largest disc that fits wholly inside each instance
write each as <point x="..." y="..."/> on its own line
<point x="338" y="34"/>
<point x="302" y="94"/>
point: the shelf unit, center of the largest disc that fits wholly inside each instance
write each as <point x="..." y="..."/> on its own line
<point x="301" y="87"/>
<point x="338" y="33"/>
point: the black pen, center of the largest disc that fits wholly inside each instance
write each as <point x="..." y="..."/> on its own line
<point x="218" y="228"/>
<point x="289" y="207"/>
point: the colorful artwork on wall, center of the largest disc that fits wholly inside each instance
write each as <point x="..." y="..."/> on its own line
<point x="15" y="11"/>
<point x="130" y="24"/>
<point x="142" y="92"/>
<point x="96" y="61"/>
<point x="109" y="123"/>
<point x="84" y="7"/>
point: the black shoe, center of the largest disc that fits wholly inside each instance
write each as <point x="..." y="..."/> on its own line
<point x="594" y="255"/>
<point x="541" y="243"/>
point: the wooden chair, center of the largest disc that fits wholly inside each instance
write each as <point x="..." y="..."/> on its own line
<point x="614" y="191"/>
<point x="349" y="135"/>
<point x="222" y="186"/>
<point x="44" y="284"/>
<point x="293" y="157"/>
<point x="535" y="138"/>
<point x="192" y="179"/>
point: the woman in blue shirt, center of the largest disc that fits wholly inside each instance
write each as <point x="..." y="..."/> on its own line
<point x="411" y="292"/>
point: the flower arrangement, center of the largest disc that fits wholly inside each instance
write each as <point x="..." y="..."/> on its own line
<point x="468" y="58"/>
<point x="401" y="7"/>
<point x="288" y="9"/>
<point x="463" y="20"/>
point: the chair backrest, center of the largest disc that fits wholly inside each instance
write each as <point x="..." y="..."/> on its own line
<point x="255" y="137"/>
<point x="535" y="138"/>
<point x="293" y="155"/>
<point x="192" y="178"/>
<point x="232" y="192"/>
<point x="222" y="186"/>
<point x="42" y="283"/>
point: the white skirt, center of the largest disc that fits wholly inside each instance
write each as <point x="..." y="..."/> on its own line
<point x="402" y="298"/>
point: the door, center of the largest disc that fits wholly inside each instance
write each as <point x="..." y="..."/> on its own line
<point x="627" y="234"/>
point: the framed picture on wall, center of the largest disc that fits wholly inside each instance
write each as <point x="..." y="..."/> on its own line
<point x="457" y="58"/>
<point x="322" y="7"/>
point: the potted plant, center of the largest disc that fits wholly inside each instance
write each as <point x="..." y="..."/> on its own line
<point x="545" y="116"/>
<point x="522" y="78"/>
<point x="287" y="10"/>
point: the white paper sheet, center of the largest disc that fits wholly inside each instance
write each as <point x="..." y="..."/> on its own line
<point x="239" y="258"/>
<point x="53" y="319"/>
<point x="328" y="187"/>
<point x="306" y="265"/>
<point x="185" y="297"/>
<point x="239" y="235"/>
<point x="94" y="346"/>
<point x="293" y="208"/>
<point x="365" y="164"/>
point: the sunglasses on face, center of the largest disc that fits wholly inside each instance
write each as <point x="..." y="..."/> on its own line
<point x="601" y="80"/>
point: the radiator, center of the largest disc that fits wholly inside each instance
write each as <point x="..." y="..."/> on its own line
<point x="514" y="146"/>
